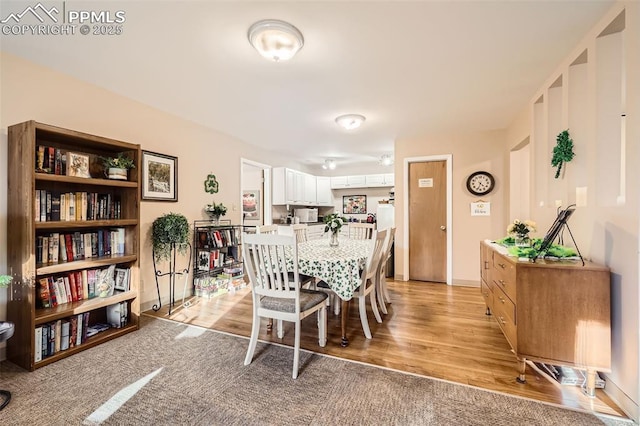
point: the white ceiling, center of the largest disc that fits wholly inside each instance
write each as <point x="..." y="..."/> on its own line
<point x="412" y="68"/>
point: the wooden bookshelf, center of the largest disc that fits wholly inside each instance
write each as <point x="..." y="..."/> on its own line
<point x="24" y="308"/>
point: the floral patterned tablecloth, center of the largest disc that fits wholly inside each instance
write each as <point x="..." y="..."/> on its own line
<point x="337" y="266"/>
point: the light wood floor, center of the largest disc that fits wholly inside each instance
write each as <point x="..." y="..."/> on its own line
<point x="431" y="329"/>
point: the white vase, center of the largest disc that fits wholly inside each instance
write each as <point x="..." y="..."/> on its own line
<point x="117" y="173"/>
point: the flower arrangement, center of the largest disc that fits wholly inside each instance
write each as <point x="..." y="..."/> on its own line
<point x="215" y="209"/>
<point x="333" y="222"/>
<point x="521" y="229"/>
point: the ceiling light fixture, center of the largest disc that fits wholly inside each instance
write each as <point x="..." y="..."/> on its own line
<point x="350" y="121"/>
<point x="329" y="164"/>
<point x="275" y="40"/>
<point x="386" y="160"/>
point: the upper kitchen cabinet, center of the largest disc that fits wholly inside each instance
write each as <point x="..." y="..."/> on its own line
<point x="323" y="191"/>
<point x="339" y="182"/>
<point x="293" y="187"/>
<point x="363" y="181"/>
<point x="380" y="180"/>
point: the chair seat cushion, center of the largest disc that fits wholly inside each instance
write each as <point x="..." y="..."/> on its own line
<point x="308" y="299"/>
<point x="323" y="284"/>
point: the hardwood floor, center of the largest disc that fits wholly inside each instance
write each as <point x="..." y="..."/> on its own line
<point x="431" y="329"/>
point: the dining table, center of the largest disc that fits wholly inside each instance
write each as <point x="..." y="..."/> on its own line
<point x="339" y="266"/>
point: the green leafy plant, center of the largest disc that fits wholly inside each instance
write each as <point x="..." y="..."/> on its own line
<point x="333" y="222"/>
<point x="521" y="228"/>
<point x="171" y="229"/>
<point x="119" y="162"/>
<point x="5" y="280"/>
<point x="216" y="209"/>
<point x="563" y="151"/>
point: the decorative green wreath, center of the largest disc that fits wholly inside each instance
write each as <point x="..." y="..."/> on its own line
<point x="563" y="151"/>
<point x="211" y="184"/>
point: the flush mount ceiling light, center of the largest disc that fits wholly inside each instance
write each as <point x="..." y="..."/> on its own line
<point x="275" y="40"/>
<point x="350" y="121"/>
<point x="386" y="160"/>
<point x="329" y="164"/>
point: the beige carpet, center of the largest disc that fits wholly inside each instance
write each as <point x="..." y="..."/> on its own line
<point x="172" y="374"/>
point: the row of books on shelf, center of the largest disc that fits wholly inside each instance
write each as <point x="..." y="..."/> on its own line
<point x="81" y="285"/>
<point x="209" y="287"/>
<point x="51" y="206"/>
<point x="209" y="260"/>
<point x="60" y="335"/>
<point x="63" y="334"/>
<point x="58" y="247"/>
<point x="51" y="160"/>
<point x="217" y="238"/>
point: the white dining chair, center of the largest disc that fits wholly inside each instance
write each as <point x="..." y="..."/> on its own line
<point x="382" y="292"/>
<point x="368" y="283"/>
<point x="275" y="295"/>
<point x="361" y="231"/>
<point x="300" y="231"/>
<point x="267" y="229"/>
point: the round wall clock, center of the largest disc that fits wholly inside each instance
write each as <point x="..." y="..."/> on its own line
<point x="480" y="183"/>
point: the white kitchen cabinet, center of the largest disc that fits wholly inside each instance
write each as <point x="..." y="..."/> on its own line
<point x="287" y="186"/>
<point x="309" y="195"/>
<point x="323" y="191"/>
<point x="380" y="180"/>
<point x="315" y="232"/>
<point x="357" y="181"/>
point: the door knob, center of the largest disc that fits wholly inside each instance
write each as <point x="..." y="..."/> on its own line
<point x="443" y="228"/>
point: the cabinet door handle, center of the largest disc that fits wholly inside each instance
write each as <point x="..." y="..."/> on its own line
<point x="486" y="264"/>
<point x="502" y="319"/>
<point x="501" y="299"/>
<point x="502" y="282"/>
<point x="502" y="265"/>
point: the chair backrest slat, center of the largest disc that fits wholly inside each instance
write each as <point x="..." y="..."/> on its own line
<point x="267" y="229"/>
<point x="361" y="231"/>
<point x="300" y="231"/>
<point x="269" y="258"/>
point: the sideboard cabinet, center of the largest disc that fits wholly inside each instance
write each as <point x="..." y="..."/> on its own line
<point x="552" y="311"/>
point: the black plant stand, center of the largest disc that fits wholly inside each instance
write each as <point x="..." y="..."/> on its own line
<point x="6" y="331"/>
<point x="172" y="275"/>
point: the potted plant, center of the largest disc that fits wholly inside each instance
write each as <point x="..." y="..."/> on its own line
<point x="117" y="167"/>
<point x="215" y="211"/>
<point x="169" y="231"/>
<point x="333" y="222"/>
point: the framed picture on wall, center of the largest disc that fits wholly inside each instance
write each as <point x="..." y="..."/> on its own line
<point x="159" y="177"/>
<point x="354" y="204"/>
<point x="251" y="204"/>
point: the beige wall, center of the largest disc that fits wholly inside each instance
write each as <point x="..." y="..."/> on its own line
<point x="470" y="152"/>
<point x="31" y="92"/>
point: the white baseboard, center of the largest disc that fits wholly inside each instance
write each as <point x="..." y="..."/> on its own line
<point x="630" y="407"/>
<point x="466" y="283"/>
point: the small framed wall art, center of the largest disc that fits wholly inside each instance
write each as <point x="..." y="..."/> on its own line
<point x="78" y="165"/>
<point x="159" y="177"/>
<point x="354" y="204"/>
<point x="251" y="204"/>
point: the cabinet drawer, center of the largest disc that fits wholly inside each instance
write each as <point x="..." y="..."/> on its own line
<point x="504" y="312"/>
<point x="503" y="275"/>
<point x="487" y="294"/>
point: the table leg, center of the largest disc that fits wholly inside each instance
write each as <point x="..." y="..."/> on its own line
<point x="343" y="322"/>
<point x="589" y="387"/>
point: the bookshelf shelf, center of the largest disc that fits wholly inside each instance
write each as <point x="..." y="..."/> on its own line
<point x="43" y="316"/>
<point x="93" y="262"/>
<point x="45" y="177"/>
<point x="41" y="244"/>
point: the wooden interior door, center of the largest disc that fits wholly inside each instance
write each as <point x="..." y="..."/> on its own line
<point x="427" y="221"/>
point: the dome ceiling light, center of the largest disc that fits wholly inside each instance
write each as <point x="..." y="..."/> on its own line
<point x="350" y="121"/>
<point x="275" y="40"/>
<point x="329" y="164"/>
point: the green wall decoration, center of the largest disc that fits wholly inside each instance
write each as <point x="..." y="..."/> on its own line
<point x="563" y="151"/>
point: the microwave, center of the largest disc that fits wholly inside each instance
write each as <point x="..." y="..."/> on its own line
<point x="306" y="215"/>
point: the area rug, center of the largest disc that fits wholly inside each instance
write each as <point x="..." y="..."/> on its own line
<point x="168" y="373"/>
